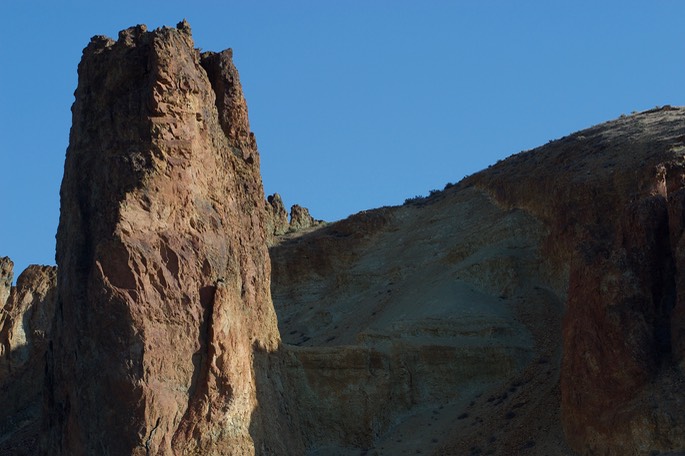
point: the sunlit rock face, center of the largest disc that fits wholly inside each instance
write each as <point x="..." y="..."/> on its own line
<point x="164" y="300"/>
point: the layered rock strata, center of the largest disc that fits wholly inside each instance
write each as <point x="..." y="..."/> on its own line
<point x="562" y="265"/>
<point x="164" y="307"/>
<point x="612" y="197"/>
<point x="398" y="318"/>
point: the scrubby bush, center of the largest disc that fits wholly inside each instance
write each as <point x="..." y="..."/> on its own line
<point x="415" y="199"/>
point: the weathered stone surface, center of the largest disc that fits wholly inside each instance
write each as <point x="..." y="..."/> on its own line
<point x="589" y="228"/>
<point x="164" y="311"/>
<point x="397" y="319"/>
<point x="300" y="218"/>
<point x="277" y="216"/>
<point x="6" y="277"/>
<point x="612" y="197"/>
<point x="24" y="335"/>
<point x="28" y="318"/>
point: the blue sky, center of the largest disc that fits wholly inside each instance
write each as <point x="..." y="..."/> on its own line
<point x="355" y="104"/>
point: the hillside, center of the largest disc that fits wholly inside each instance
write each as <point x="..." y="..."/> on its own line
<point x="538" y="295"/>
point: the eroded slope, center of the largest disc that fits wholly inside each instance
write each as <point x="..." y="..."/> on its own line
<point x="443" y="303"/>
<point x="466" y="291"/>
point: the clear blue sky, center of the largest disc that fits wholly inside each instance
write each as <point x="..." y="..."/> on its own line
<point x="355" y="104"/>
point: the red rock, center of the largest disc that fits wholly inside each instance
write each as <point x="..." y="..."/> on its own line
<point x="164" y="301"/>
<point x="613" y="201"/>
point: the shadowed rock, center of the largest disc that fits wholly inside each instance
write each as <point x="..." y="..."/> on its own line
<point x="25" y="332"/>
<point x="612" y="197"/>
<point x="560" y="268"/>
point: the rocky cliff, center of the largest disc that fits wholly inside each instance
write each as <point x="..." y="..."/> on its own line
<point x="534" y="308"/>
<point x="163" y="287"/>
<point x="612" y="199"/>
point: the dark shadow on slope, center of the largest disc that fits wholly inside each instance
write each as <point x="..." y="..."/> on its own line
<point x="275" y="425"/>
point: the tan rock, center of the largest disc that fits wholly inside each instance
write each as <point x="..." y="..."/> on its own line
<point x="398" y="318"/>
<point x="164" y="274"/>
<point x="301" y="219"/>
<point x="277" y="216"/>
<point x="588" y="229"/>
<point x="6" y="277"/>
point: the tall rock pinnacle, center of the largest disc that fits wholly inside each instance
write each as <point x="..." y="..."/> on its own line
<point x="164" y="273"/>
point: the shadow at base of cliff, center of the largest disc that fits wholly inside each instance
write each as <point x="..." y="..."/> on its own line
<point x="274" y="426"/>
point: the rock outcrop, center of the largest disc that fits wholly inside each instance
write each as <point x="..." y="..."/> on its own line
<point x="277" y="216"/>
<point x="6" y="277"/>
<point x="277" y="223"/>
<point x="24" y="334"/>
<point x="612" y="199"/>
<point x="164" y="310"/>
<point x="301" y="219"/>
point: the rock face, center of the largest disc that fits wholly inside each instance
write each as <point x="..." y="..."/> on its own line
<point x="164" y="305"/>
<point x="561" y="265"/>
<point x="300" y="218"/>
<point x="277" y="219"/>
<point x="614" y="205"/>
<point x="402" y="320"/>
<point x="24" y="334"/>
<point x="277" y="216"/>
<point x="6" y="277"/>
